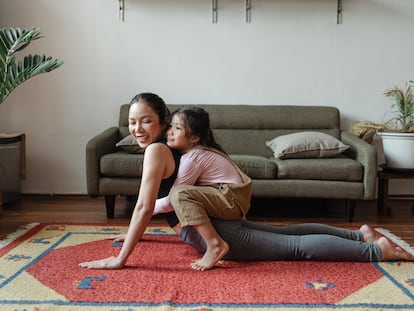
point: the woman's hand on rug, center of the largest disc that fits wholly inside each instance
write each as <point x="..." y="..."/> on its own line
<point x="117" y="238"/>
<point x="107" y="263"/>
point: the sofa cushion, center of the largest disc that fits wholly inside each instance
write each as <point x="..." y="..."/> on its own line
<point x="122" y="164"/>
<point x="306" y="144"/>
<point x="255" y="167"/>
<point x="129" y="143"/>
<point x="339" y="169"/>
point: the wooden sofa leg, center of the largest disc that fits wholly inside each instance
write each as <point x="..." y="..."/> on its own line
<point x="132" y="198"/>
<point x="350" y="208"/>
<point x="110" y="206"/>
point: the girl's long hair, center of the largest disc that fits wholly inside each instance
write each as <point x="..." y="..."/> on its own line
<point x="197" y="122"/>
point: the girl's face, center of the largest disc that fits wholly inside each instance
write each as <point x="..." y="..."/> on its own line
<point x="177" y="136"/>
<point x="144" y="124"/>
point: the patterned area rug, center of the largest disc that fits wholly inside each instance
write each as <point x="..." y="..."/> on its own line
<point x="39" y="271"/>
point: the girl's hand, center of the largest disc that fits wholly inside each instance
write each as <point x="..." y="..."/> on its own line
<point x="107" y="263"/>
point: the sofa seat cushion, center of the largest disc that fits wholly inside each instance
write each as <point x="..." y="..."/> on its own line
<point x="340" y="169"/>
<point x="122" y="164"/>
<point x="256" y="167"/>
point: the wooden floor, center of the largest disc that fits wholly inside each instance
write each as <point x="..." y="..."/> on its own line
<point x="40" y="208"/>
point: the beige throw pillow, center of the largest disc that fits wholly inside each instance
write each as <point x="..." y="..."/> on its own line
<point x="129" y="143"/>
<point x="306" y="145"/>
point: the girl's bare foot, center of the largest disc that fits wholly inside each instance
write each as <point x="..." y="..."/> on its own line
<point x="369" y="234"/>
<point x="211" y="256"/>
<point x="391" y="252"/>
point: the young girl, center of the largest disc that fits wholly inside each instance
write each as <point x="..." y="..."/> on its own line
<point x="226" y="189"/>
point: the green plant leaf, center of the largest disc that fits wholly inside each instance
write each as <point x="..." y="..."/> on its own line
<point x="403" y="105"/>
<point x="13" y="72"/>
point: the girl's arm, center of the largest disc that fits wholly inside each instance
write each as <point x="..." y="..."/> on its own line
<point x="163" y="206"/>
<point x="188" y="173"/>
<point x="154" y="168"/>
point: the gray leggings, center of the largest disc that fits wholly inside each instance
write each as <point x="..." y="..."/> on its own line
<point x="251" y="241"/>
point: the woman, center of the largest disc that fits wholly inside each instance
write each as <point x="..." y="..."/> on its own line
<point x="148" y="121"/>
<point x="248" y="241"/>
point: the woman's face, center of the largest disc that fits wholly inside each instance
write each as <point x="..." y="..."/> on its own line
<point x="144" y="124"/>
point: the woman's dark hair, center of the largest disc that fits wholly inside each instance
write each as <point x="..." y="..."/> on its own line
<point x="156" y="103"/>
<point x="197" y="122"/>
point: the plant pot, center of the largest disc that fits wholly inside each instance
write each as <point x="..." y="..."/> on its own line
<point x="398" y="149"/>
<point x="12" y="166"/>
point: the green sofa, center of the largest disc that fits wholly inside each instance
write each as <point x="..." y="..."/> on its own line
<point x="243" y="131"/>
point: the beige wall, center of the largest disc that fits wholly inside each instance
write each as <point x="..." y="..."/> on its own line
<point x="292" y="52"/>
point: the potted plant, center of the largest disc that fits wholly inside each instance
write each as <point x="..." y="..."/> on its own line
<point x="13" y="72"/>
<point x="398" y="134"/>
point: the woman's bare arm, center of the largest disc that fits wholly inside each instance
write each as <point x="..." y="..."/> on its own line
<point x="156" y="161"/>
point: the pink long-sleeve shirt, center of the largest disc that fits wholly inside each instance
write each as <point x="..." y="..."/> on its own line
<point x="201" y="167"/>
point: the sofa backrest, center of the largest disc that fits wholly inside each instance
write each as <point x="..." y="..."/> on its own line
<point x="244" y="129"/>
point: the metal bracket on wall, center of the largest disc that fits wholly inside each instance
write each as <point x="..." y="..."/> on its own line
<point x="121" y="9"/>
<point x="248" y="11"/>
<point x="339" y="12"/>
<point x="214" y="11"/>
<point x="248" y="14"/>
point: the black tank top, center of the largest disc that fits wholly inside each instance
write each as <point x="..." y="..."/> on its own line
<point x="166" y="185"/>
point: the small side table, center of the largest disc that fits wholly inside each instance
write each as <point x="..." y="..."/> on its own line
<point x="383" y="177"/>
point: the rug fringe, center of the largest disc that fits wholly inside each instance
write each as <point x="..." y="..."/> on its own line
<point x="397" y="240"/>
<point x="18" y="233"/>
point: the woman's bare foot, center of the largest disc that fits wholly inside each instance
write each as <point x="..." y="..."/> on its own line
<point x="211" y="256"/>
<point x="391" y="252"/>
<point x="369" y="234"/>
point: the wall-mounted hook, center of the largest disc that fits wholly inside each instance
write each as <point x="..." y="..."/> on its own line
<point x="248" y="11"/>
<point x="121" y="9"/>
<point x="339" y="12"/>
<point x="214" y="11"/>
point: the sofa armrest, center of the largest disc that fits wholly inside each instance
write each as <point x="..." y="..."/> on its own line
<point x="98" y="146"/>
<point x="366" y="154"/>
